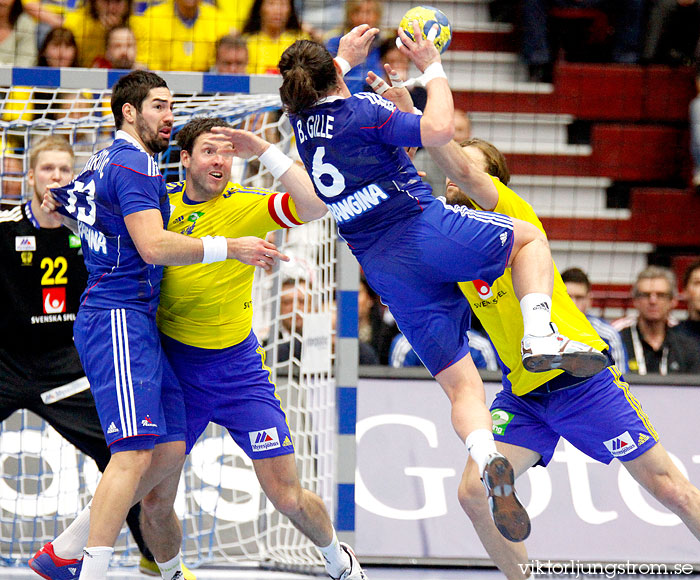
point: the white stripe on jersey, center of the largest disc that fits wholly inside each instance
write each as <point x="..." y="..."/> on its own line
<point x="279" y="211"/>
<point x="487" y="217"/>
<point x="152" y="167"/>
<point x="123" y="379"/>
<point x="11" y="215"/>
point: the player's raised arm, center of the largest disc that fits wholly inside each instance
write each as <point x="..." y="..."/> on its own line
<point x="294" y="178"/>
<point x="451" y="158"/>
<point x="437" y="123"/>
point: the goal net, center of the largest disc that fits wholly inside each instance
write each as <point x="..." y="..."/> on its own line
<point x="44" y="481"/>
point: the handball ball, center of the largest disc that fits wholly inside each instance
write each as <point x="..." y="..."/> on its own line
<point x="427" y="16"/>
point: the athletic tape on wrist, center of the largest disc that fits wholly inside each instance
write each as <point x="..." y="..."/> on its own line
<point x="276" y="162"/>
<point x="343" y="64"/>
<point x="434" y="71"/>
<point x="215" y="249"/>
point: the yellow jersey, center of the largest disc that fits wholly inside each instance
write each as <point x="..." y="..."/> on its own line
<point x="498" y="308"/>
<point x="166" y="42"/>
<point x="90" y="34"/>
<point x="210" y="305"/>
<point x="264" y="52"/>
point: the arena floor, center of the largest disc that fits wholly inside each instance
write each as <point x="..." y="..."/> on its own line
<point x="373" y="573"/>
<point x="239" y="574"/>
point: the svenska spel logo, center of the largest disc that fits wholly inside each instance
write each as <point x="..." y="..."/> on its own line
<point x="483" y="289"/>
<point x="54" y="300"/>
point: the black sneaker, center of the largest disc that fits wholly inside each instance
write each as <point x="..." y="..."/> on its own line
<point x="508" y="513"/>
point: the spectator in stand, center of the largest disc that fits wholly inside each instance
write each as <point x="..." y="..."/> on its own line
<point x="290" y="327"/>
<point x="376" y="326"/>
<point x="653" y="345"/>
<point x="271" y="27"/>
<point x="360" y="12"/>
<point x="627" y="17"/>
<point x="694" y="116"/>
<point x="578" y="286"/>
<point x="18" y="33"/>
<point x="90" y="23"/>
<point x="236" y="13"/>
<point x="691" y="289"/>
<point x="59" y="49"/>
<point x="120" y="49"/>
<point x="673" y="32"/>
<point x="231" y="55"/>
<point x="179" y="35"/>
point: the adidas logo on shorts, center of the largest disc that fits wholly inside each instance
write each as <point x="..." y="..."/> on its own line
<point x="112" y="428"/>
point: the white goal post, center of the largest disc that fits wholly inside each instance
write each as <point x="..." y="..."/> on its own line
<point x="44" y="481"/>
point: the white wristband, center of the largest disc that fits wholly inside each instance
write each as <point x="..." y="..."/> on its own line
<point x="343" y="64"/>
<point x="277" y="163"/>
<point x="215" y="249"/>
<point x="434" y="71"/>
<point x="417" y="111"/>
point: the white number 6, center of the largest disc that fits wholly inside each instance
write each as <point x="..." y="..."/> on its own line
<point x="319" y="169"/>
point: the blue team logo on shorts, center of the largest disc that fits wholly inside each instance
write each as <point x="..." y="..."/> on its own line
<point x="264" y="440"/>
<point x="500" y="419"/>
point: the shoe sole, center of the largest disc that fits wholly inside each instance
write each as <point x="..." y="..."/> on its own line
<point x="578" y="364"/>
<point x="508" y="513"/>
<point x="32" y="564"/>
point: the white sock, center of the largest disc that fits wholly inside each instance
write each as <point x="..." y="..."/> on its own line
<point x="96" y="562"/>
<point x="70" y="543"/>
<point x="537" y="314"/>
<point x="481" y="446"/>
<point x="337" y="561"/>
<point x="171" y="567"/>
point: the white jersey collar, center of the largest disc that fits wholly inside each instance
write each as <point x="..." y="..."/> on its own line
<point x="328" y="99"/>
<point x="124" y="135"/>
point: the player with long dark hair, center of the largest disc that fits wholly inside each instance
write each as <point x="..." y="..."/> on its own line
<point x="414" y="249"/>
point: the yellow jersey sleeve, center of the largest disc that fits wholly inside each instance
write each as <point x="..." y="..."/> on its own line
<point x="498" y="309"/>
<point x="210" y="305"/>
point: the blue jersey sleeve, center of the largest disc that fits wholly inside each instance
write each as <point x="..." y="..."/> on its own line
<point x="384" y="123"/>
<point x="137" y="182"/>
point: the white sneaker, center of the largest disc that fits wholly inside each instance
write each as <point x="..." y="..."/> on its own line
<point x="508" y="513"/>
<point x="354" y="572"/>
<point x="556" y="351"/>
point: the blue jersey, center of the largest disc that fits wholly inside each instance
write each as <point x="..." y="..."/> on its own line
<point x="117" y="181"/>
<point x="353" y="151"/>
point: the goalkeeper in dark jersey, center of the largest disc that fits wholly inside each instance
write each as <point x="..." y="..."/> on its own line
<point x="43" y="277"/>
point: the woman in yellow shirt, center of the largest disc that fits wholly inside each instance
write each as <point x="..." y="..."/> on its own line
<point x="271" y="27"/>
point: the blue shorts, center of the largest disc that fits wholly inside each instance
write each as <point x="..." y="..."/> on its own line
<point x="599" y="417"/>
<point x="138" y="398"/>
<point x="232" y="388"/>
<point x="415" y="268"/>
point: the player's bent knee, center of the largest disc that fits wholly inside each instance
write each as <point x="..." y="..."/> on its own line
<point x="472" y="497"/>
<point x="131" y="461"/>
<point x="287" y="500"/>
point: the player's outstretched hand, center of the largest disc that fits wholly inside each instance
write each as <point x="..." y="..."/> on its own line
<point x="421" y="51"/>
<point x="396" y="92"/>
<point x="255" y="252"/>
<point x="354" y="46"/>
<point x="239" y="142"/>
